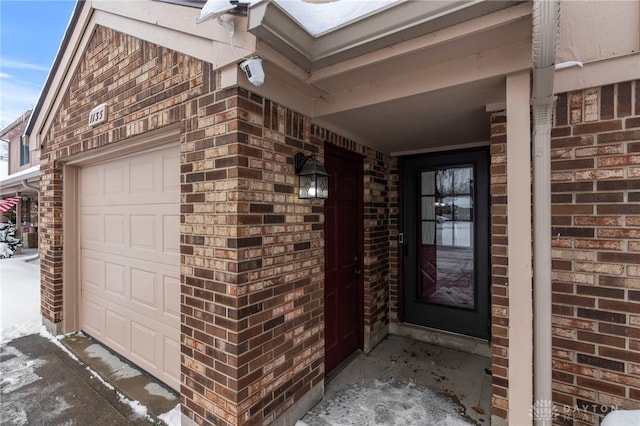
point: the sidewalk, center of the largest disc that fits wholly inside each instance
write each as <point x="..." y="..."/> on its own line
<point x="43" y="385"/>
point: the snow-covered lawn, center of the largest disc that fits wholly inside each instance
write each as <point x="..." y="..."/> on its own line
<point x="19" y="298"/>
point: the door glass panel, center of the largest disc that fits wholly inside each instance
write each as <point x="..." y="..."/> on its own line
<point x="446" y="249"/>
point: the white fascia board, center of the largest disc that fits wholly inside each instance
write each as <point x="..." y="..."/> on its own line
<point x="270" y="23"/>
<point x="217" y="52"/>
<point x="179" y="19"/>
<point x="400" y="22"/>
<point x="494" y="63"/>
<point x="436" y="38"/>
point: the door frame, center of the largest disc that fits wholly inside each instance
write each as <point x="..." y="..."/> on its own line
<point x="483" y="261"/>
<point x="358" y="162"/>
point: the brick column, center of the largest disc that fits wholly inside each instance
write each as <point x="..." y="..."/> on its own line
<point x="51" y="243"/>
<point x="499" y="264"/>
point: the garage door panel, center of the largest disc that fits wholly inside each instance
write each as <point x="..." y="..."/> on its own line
<point x="89" y="188"/>
<point x="91" y="226"/>
<point x="143" y="232"/>
<point x="143" y="343"/>
<point x="143" y="287"/>
<point x="93" y="318"/>
<point x="93" y="273"/>
<point x="171" y="234"/>
<point x="134" y="253"/>
<point x="130" y="258"/>
<point x="114" y="230"/>
<point x="171" y="361"/>
<point x="115" y="330"/>
<point x="170" y="181"/>
<point x="171" y="296"/>
<point x="115" y="279"/>
<point x="144" y="175"/>
<point x="115" y="177"/>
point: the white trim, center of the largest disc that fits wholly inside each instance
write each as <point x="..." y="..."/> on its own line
<point x="30" y="173"/>
<point x="436" y="38"/>
<point x="599" y="73"/>
<point x="489" y="64"/>
<point x="519" y="232"/>
<point x="157" y="138"/>
<point x="400" y="21"/>
<point x="440" y="148"/>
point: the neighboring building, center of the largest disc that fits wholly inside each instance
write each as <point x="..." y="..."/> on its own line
<point x="23" y="165"/>
<point x="176" y="213"/>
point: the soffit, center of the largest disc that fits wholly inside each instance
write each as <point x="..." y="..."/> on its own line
<point x="270" y="22"/>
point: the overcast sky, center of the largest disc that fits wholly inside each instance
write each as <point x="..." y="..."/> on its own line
<point x="30" y="33"/>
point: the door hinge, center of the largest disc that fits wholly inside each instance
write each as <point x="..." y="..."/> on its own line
<point x="401" y="238"/>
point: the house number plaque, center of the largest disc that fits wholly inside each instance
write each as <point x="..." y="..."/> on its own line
<point x="98" y="115"/>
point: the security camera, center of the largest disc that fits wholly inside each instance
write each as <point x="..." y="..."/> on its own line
<point x="253" y="68"/>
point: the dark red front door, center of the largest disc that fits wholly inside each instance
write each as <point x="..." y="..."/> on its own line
<point x="343" y="256"/>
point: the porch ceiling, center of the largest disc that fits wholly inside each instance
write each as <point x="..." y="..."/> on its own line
<point x="400" y="95"/>
<point x="427" y="121"/>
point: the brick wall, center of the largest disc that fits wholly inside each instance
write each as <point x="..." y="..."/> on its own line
<point x="596" y="251"/>
<point x="252" y="253"/>
<point x="395" y="255"/>
<point x="253" y="264"/>
<point x="147" y="87"/>
<point x="499" y="263"/>
<point x="268" y="321"/>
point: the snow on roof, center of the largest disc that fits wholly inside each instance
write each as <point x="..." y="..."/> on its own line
<point x="316" y="17"/>
<point x="320" y="18"/>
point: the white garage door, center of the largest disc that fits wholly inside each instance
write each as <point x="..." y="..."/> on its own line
<point x="130" y="258"/>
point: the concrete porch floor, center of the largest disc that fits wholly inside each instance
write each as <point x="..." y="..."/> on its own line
<point x="405" y="382"/>
<point x="401" y="382"/>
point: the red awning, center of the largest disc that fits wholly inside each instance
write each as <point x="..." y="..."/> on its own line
<point x="8" y="203"/>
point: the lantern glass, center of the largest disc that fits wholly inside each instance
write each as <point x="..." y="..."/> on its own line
<point x="312" y="178"/>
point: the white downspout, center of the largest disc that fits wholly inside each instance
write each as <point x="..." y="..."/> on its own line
<point x="546" y="18"/>
<point x="37" y="189"/>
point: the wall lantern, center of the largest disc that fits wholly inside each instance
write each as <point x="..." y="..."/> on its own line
<point x="313" y="178"/>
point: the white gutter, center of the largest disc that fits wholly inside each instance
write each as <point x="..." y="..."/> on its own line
<point x="30" y="173"/>
<point x="546" y="18"/>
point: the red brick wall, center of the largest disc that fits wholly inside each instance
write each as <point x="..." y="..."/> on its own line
<point x="395" y="263"/>
<point x="267" y="320"/>
<point x="251" y="252"/>
<point x="499" y="263"/>
<point x="147" y="87"/>
<point x="596" y="251"/>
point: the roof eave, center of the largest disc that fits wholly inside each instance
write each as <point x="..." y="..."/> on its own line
<point x="400" y="22"/>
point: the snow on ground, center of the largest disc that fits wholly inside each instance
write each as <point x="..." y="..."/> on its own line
<point x="19" y="298"/>
<point x="17" y="371"/>
<point x="385" y="403"/>
<point x="622" y="418"/>
<point x="120" y="369"/>
<point x="173" y="417"/>
<point x="20" y="316"/>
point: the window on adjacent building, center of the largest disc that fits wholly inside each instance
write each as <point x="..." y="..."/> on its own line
<point x="24" y="150"/>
